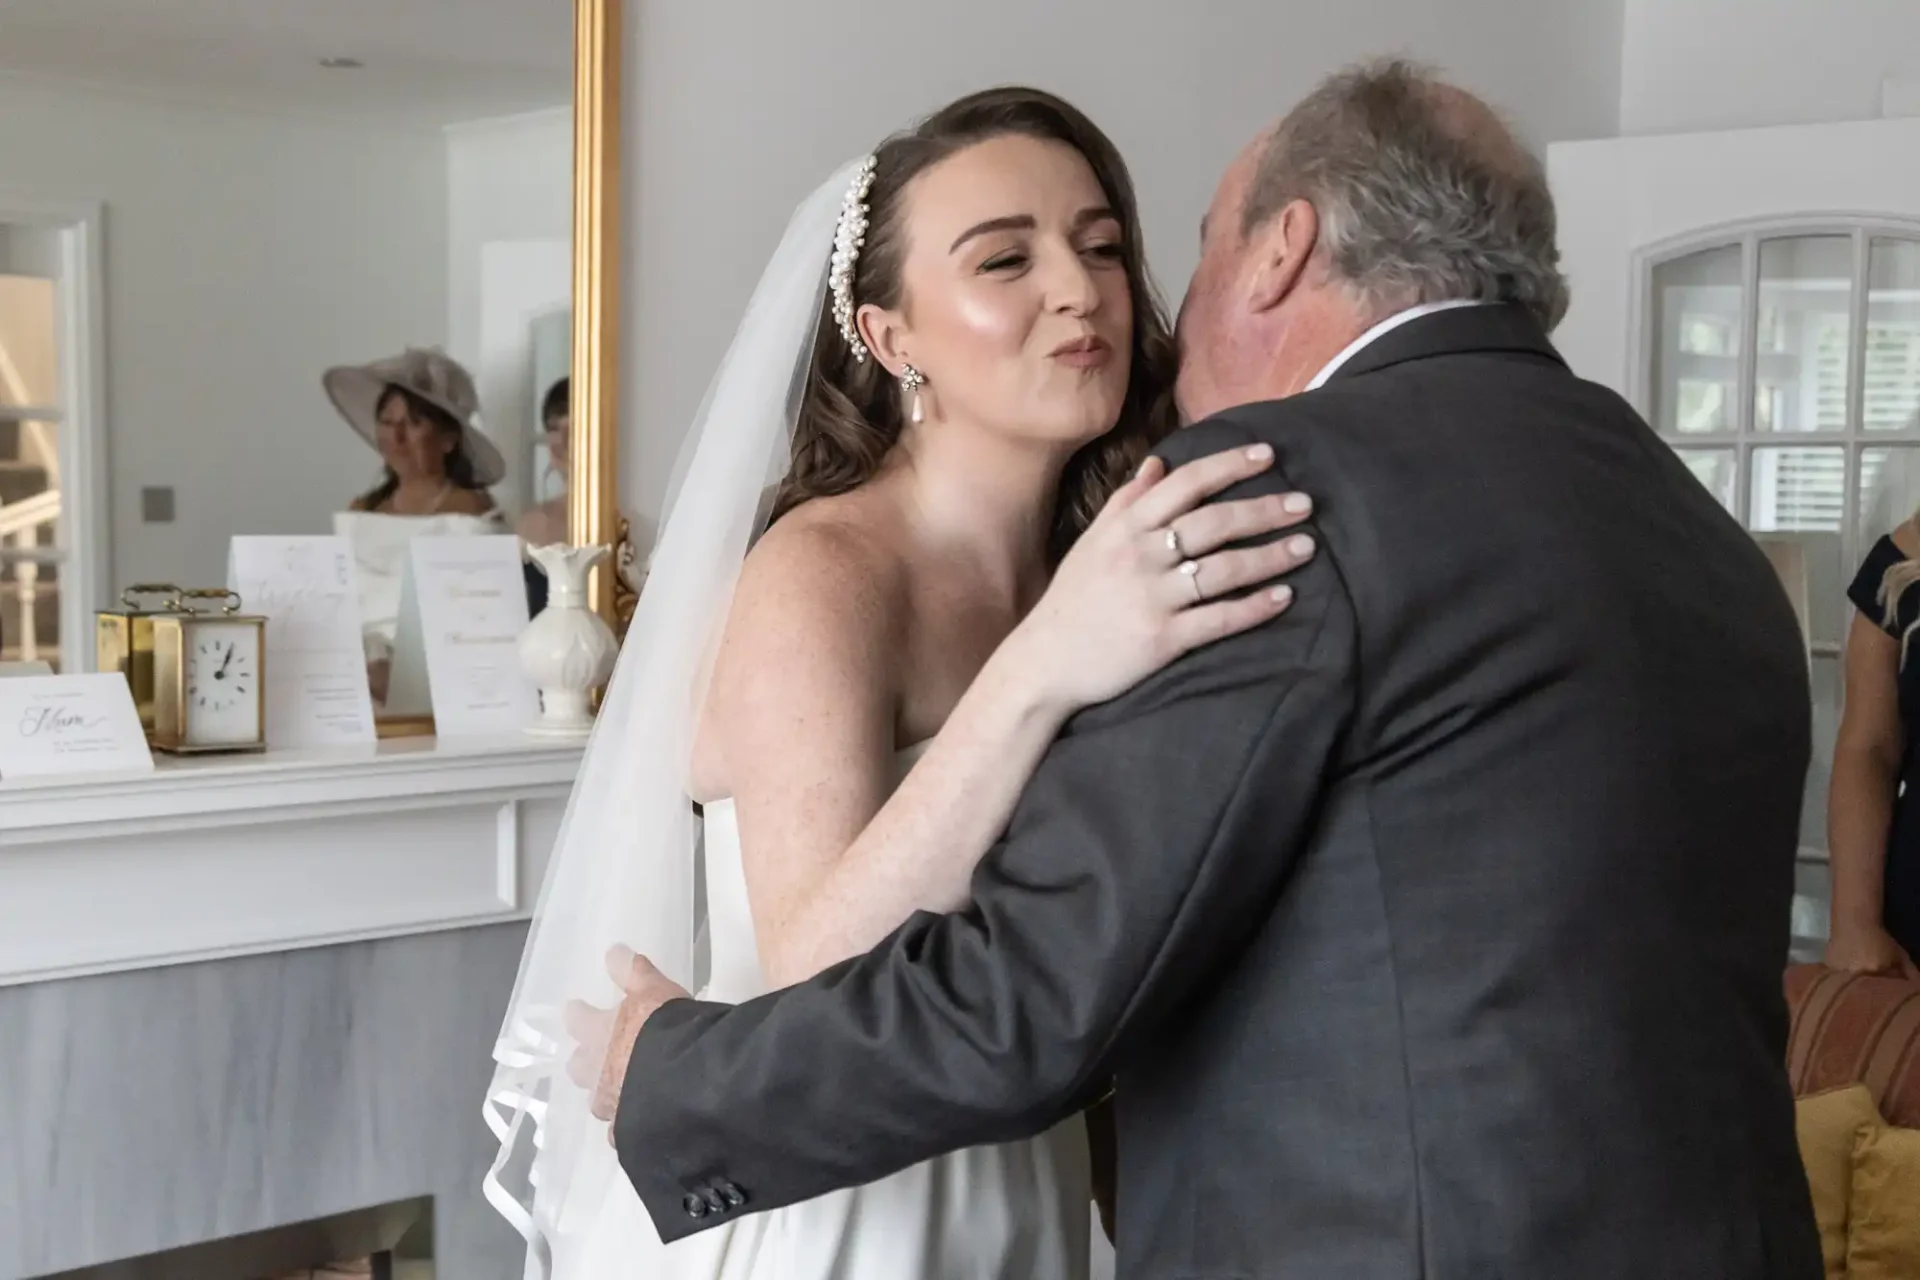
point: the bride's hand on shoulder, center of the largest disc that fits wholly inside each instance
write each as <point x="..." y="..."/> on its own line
<point x="1159" y="572"/>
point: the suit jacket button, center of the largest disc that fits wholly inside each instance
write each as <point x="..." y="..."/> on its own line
<point x="732" y="1194"/>
<point x="695" y="1206"/>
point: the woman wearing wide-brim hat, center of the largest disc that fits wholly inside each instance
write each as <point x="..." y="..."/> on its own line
<point x="419" y="410"/>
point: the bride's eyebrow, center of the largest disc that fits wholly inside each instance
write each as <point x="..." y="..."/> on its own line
<point x="1025" y="222"/>
<point x="1012" y="222"/>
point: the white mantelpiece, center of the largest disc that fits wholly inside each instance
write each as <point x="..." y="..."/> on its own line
<point x="224" y="856"/>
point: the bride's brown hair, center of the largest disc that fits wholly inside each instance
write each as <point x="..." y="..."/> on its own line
<point x="851" y="412"/>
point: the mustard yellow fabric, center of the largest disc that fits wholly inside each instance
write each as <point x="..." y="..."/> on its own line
<point x="1883" y="1222"/>
<point x="1829" y="1125"/>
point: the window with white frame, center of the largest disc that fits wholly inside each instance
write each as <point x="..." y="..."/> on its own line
<point x="1782" y="364"/>
<point x="53" y="515"/>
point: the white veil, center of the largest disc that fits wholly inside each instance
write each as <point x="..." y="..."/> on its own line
<point x="623" y="866"/>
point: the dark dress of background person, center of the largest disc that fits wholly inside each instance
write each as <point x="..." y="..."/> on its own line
<point x="555" y="405"/>
<point x="1436" y="928"/>
<point x="1902" y="910"/>
<point x="536" y="587"/>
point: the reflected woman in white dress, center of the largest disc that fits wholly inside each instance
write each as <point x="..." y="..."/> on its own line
<point x="957" y="562"/>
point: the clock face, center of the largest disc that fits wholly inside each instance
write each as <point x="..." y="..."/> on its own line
<point x="223" y="684"/>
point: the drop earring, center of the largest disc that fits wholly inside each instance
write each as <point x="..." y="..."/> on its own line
<point x="911" y="380"/>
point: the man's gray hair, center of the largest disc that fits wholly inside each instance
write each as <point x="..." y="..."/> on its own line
<point x="1422" y="192"/>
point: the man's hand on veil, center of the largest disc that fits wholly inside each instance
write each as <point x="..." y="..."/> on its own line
<point x="603" y="1038"/>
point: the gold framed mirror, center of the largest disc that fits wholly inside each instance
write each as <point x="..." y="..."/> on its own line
<point x="593" y="481"/>
<point x="593" y="485"/>
<point x="343" y="193"/>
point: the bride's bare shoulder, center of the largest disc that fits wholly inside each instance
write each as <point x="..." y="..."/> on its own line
<point x="833" y="563"/>
<point x="821" y="607"/>
<point x="813" y="634"/>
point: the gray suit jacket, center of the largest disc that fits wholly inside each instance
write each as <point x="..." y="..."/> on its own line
<point x="1434" y="930"/>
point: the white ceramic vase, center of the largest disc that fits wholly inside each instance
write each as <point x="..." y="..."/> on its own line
<point x="568" y="650"/>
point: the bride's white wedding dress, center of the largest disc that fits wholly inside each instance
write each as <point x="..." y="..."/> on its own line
<point x="1021" y="1211"/>
<point x="623" y="871"/>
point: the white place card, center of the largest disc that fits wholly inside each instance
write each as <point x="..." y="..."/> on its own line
<point x="60" y="725"/>
<point x="316" y="666"/>
<point x="468" y="598"/>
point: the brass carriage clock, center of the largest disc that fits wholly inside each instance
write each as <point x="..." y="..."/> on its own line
<point x="208" y="663"/>
<point x="123" y="641"/>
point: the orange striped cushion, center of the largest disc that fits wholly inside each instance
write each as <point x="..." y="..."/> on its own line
<point x="1854" y="1027"/>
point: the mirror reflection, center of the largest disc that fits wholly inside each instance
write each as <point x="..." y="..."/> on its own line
<point x="306" y="274"/>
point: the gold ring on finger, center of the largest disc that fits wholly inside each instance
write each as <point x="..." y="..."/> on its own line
<point x="1191" y="570"/>
<point x="1173" y="544"/>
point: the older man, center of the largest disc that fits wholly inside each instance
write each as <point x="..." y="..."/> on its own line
<point x="1434" y="930"/>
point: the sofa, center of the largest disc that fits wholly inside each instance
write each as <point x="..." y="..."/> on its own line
<point x="1853" y="1056"/>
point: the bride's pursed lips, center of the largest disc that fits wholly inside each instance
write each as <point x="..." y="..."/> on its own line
<point x="1088" y="351"/>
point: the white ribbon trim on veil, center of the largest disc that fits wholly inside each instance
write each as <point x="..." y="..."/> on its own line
<point x="511" y="1102"/>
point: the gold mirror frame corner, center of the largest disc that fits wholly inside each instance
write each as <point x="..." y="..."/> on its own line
<point x="593" y="507"/>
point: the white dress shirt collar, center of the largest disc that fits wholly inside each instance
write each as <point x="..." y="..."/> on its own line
<point x="1391" y="323"/>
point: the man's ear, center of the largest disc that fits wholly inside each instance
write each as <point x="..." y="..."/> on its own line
<point x="1278" y="253"/>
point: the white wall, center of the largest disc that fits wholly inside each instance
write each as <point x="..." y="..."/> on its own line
<point x="244" y="254"/>
<point x="1730" y="64"/>
<point x="507" y="179"/>
<point x="725" y="134"/>
<point x="510" y="218"/>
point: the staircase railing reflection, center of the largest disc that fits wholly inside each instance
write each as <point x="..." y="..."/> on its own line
<point x="22" y="554"/>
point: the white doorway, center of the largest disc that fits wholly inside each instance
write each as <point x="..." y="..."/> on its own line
<point x="53" y="501"/>
<point x="524" y="285"/>
<point x="1756" y="294"/>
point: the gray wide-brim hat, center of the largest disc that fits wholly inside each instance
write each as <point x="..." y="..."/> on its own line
<point x="430" y="374"/>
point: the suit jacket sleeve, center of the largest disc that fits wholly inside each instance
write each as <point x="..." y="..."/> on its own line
<point x="1150" y="843"/>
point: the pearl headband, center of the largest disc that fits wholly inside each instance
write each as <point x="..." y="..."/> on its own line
<point x="849" y="236"/>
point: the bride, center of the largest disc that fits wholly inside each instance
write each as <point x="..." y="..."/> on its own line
<point x="957" y="355"/>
